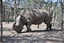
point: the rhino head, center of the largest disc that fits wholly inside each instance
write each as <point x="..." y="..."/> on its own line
<point x="18" y="25"/>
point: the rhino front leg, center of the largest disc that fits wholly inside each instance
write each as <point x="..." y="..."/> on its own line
<point x="38" y="25"/>
<point x="28" y="25"/>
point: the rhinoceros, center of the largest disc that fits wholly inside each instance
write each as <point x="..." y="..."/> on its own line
<point x="33" y="16"/>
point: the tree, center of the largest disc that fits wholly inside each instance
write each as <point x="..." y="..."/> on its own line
<point x="7" y="4"/>
<point x="62" y="7"/>
<point x="16" y="4"/>
<point x="1" y="19"/>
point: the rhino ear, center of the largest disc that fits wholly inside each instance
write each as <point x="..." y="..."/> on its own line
<point x="22" y="17"/>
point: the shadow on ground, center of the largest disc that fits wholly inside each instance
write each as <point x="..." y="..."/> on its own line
<point x="35" y="36"/>
<point x="44" y="30"/>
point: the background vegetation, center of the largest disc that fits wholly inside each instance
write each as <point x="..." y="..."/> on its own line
<point x="11" y="8"/>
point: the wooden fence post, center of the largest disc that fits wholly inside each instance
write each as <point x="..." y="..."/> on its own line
<point x="1" y="20"/>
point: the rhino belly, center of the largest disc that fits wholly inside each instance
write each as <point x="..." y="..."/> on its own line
<point x="38" y="21"/>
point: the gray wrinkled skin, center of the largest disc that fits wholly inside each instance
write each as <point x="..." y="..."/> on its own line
<point x="32" y="16"/>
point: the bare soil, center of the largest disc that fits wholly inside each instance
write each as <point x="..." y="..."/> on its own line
<point x="37" y="35"/>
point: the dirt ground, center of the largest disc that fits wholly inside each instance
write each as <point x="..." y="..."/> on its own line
<point x="38" y="35"/>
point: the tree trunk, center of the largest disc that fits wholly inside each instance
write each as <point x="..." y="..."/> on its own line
<point x="15" y="10"/>
<point x="1" y="19"/>
<point x="62" y="14"/>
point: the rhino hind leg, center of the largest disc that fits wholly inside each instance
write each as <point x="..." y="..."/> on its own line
<point x="48" y="26"/>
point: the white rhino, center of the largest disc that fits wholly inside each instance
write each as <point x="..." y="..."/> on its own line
<point x="33" y="16"/>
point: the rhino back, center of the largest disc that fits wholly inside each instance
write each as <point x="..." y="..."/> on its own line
<point x="34" y="16"/>
<point x="38" y="17"/>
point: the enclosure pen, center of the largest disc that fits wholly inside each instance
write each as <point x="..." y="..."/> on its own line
<point x="31" y="21"/>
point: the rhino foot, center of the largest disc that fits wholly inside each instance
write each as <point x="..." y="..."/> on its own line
<point x="29" y="30"/>
<point x="50" y="29"/>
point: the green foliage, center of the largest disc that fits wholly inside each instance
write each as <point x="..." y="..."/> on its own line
<point x="43" y="4"/>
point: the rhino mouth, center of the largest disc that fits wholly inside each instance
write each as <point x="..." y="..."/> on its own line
<point x="17" y="28"/>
